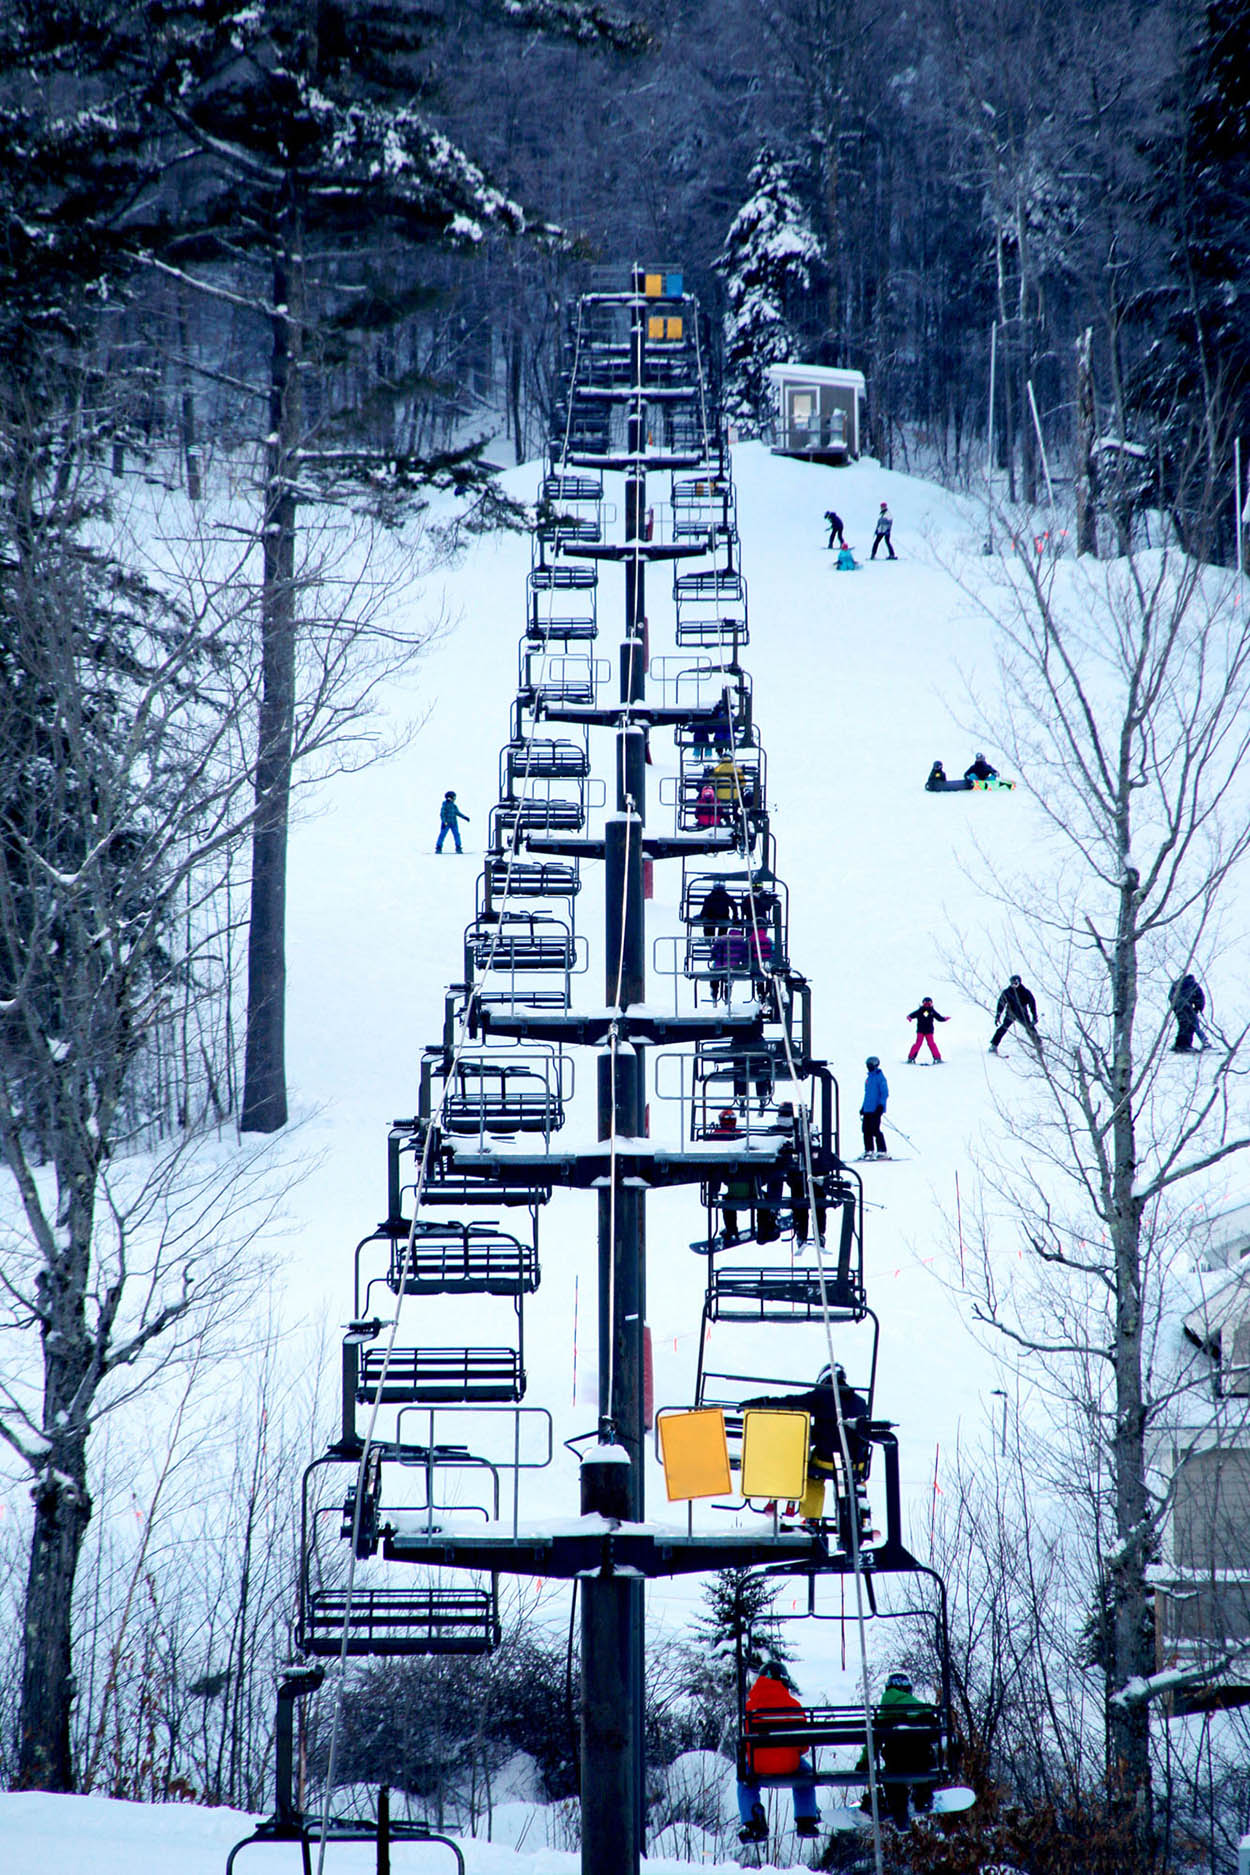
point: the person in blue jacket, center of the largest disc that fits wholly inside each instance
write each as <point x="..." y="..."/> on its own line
<point x="876" y="1094"/>
<point x="449" y="818"/>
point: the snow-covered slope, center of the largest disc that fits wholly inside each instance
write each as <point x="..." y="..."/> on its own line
<point x="860" y="680"/>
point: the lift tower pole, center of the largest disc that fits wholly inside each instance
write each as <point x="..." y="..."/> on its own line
<point x="612" y="1480"/>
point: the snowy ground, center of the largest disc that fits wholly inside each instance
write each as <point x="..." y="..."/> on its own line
<point x="860" y="681"/>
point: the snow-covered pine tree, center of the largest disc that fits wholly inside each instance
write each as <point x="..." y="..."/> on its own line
<point x="767" y="263"/>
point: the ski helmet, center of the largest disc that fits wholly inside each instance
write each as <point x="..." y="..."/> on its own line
<point x="873" y="1061"/>
<point x="901" y="1682"/>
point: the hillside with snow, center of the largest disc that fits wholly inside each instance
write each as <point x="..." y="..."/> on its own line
<point x="860" y="680"/>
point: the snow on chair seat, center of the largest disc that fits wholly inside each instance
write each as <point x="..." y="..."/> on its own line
<point x="537" y="815"/>
<point x="545" y="758"/>
<point x="521" y="941"/>
<point x="462" y="1259"/>
<point x="563" y="578"/>
<point x="562" y="630"/>
<point x="783" y="1295"/>
<point x="515" y="878"/>
<point x="400" y="1621"/>
<point x="440" y="1376"/>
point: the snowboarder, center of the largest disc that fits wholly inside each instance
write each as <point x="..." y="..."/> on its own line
<point x="924" y="1019"/>
<point x="872" y="1112"/>
<point x="449" y="817"/>
<point x="1187" y="1002"/>
<point x="835" y="528"/>
<point x="980" y="770"/>
<point x="937" y="778"/>
<point x="737" y="1190"/>
<point x="831" y="1399"/>
<point x="1016" y="1004"/>
<point x="771" y="1696"/>
<point x="881" y="532"/>
<point x="905" y="1736"/>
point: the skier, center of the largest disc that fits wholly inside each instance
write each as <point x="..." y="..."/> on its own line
<point x="905" y="1735"/>
<point x="835" y="528"/>
<point x="1016" y="1004"/>
<point x="924" y="1019"/>
<point x="1187" y="1002"/>
<point x="771" y="1695"/>
<point x="885" y="521"/>
<point x="876" y="1094"/>
<point x="449" y="817"/>
<point x="846" y="562"/>
<point x="980" y="770"/>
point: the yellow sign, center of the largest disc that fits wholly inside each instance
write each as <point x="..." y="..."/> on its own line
<point x="694" y="1453"/>
<point x="774" y="1453"/>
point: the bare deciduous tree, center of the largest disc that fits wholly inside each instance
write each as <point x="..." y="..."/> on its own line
<point x="1125" y="709"/>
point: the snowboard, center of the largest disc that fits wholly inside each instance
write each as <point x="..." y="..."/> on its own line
<point x="994" y="785"/>
<point x="952" y="785"/>
<point x="947" y="1802"/>
<point x="950" y="1801"/>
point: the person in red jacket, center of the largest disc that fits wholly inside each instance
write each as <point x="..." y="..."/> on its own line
<point x="924" y="1019"/>
<point x="771" y="1695"/>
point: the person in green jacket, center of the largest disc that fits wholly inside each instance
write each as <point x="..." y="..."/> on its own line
<point x="903" y="1750"/>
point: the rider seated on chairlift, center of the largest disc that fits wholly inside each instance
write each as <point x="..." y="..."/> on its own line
<point x="771" y="1694"/>
<point x="790" y="1174"/>
<point x="903" y="1749"/>
<point x="718" y="911"/>
<point x="824" y="1458"/>
<point x="737" y="1191"/>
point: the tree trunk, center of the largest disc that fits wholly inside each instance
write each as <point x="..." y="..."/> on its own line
<point x="1132" y="1634"/>
<point x="1083" y="468"/>
<point x="62" y="1504"/>
<point x="264" y="1071"/>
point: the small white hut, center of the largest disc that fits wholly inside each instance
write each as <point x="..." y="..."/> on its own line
<point x="819" y="411"/>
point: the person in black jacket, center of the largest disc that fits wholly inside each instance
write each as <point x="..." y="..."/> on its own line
<point x="979" y="769"/>
<point x="718" y="911"/>
<point x="1187" y="1002"/>
<point x="835" y="528"/>
<point x="924" y="1019"/>
<point x="1016" y="1004"/>
<point x="824" y="1458"/>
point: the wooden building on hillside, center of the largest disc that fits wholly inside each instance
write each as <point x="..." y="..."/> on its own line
<point x="818" y="413"/>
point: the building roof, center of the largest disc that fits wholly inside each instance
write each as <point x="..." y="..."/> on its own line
<point x="818" y="374"/>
